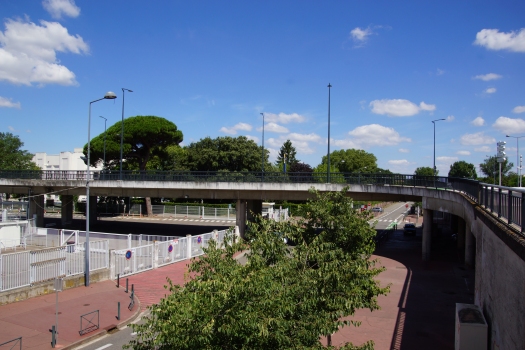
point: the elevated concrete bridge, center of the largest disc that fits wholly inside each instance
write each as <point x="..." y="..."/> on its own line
<point x="487" y="218"/>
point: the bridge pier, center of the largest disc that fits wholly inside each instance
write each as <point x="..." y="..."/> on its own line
<point x="246" y="211"/>
<point x="36" y="207"/>
<point x="428" y="218"/>
<point x="66" y="212"/>
<point x="470" y="247"/>
<point x="92" y="210"/>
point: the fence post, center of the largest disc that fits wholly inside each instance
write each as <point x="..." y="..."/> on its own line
<point x="509" y="208"/>
<point x="188" y="246"/>
<point x="175" y="213"/>
<point x="129" y="241"/>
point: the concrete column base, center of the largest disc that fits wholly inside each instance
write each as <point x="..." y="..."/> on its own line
<point x="36" y="207"/>
<point x="67" y="210"/>
<point x="428" y="216"/>
<point x="240" y="220"/>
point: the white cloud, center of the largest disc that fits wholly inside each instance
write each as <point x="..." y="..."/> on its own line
<point x="11" y="128"/>
<point x="284" y="118"/>
<point x="376" y="135"/>
<point x="274" y="127"/>
<point x="493" y="39"/>
<point x="484" y="149"/>
<point x="487" y="77"/>
<point x="305" y="137"/>
<point x="233" y="130"/>
<point x="28" y="53"/>
<point x="445" y="159"/>
<point x="301" y="142"/>
<point x="490" y="90"/>
<point x="404" y="150"/>
<point x="399" y="107"/>
<point x="399" y="162"/>
<point x="450" y="118"/>
<point x="57" y="8"/>
<point x="463" y="153"/>
<point x="519" y="109"/>
<point x="476" y="139"/>
<point x="509" y="125"/>
<point x="359" y="34"/>
<point x="440" y="72"/>
<point x="254" y="138"/>
<point x="479" y="121"/>
<point x="6" y="102"/>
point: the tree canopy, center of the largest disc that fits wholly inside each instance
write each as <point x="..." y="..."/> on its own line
<point x="425" y="171"/>
<point x="490" y="167"/>
<point x="12" y="157"/>
<point x="352" y="161"/>
<point x="225" y="153"/>
<point x="144" y="138"/>
<point x="288" y="150"/>
<point x="463" y="169"/>
<point x="280" y="298"/>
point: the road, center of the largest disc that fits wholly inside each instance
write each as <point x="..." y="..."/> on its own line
<point x="393" y="213"/>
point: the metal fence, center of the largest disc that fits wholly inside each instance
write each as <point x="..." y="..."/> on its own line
<point x="27" y="268"/>
<point x="138" y="259"/>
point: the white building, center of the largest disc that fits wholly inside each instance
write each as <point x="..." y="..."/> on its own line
<point x="64" y="161"/>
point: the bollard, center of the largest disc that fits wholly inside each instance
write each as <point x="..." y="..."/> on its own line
<point x="118" y="280"/>
<point x="53" y="337"/>
<point x="126" y="285"/>
<point x="132" y="289"/>
<point x="118" y="311"/>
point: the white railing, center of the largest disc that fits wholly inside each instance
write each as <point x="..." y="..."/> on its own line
<point x="31" y="267"/>
<point x="133" y="260"/>
<point x="179" y="211"/>
<point x="171" y="251"/>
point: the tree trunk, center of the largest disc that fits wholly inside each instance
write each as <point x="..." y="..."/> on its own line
<point x="149" y="209"/>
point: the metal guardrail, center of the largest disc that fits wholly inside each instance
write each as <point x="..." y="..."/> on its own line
<point x="506" y="202"/>
<point x="89" y="324"/>
<point x="16" y="341"/>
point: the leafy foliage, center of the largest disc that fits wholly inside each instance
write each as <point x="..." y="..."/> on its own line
<point x="280" y="298"/>
<point x="425" y="171"/>
<point x="288" y="150"/>
<point x="462" y="169"/>
<point x="12" y="157"/>
<point x="144" y="138"/>
<point x="352" y="161"/>
<point x="225" y="153"/>
<point x="490" y="167"/>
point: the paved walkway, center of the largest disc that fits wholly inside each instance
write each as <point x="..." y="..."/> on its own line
<point x="418" y="313"/>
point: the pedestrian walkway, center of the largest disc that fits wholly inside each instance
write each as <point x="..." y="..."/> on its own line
<point x="418" y="313"/>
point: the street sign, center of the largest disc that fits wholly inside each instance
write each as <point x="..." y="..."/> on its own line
<point x="406" y="205"/>
<point x="501" y="151"/>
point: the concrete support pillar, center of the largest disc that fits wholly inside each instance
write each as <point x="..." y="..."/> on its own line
<point x="254" y="208"/>
<point x="470" y="247"/>
<point x="67" y="210"/>
<point x="36" y="207"/>
<point x="240" y="220"/>
<point x="92" y="210"/>
<point x="461" y="233"/>
<point x="427" y="233"/>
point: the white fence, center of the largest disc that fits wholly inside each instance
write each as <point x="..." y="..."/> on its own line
<point x="138" y="259"/>
<point x="192" y="211"/>
<point x="30" y="267"/>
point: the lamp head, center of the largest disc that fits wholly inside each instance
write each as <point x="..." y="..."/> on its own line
<point x="110" y="95"/>
<point x="126" y="90"/>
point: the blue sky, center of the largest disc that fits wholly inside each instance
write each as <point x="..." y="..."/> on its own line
<point x="212" y="67"/>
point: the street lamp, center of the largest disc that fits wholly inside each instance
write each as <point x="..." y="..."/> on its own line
<point x="108" y="96"/>
<point x="122" y="129"/>
<point x="518" y="165"/>
<point x="262" y="161"/>
<point x="105" y="121"/>
<point x="328" y="170"/>
<point x="434" y="122"/>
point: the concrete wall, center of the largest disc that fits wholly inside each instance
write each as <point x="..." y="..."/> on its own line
<point x="500" y="269"/>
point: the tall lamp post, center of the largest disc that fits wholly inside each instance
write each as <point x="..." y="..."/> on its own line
<point x="262" y="161"/>
<point x="434" y="168"/>
<point x="108" y="96"/>
<point x="122" y="129"/>
<point x="518" y="165"/>
<point x="328" y="155"/>
<point x="105" y="121"/>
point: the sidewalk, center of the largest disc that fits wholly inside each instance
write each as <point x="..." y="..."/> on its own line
<point x="418" y="313"/>
<point x="32" y="319"/>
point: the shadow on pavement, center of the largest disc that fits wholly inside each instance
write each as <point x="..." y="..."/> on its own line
<point x="426" y="318"/>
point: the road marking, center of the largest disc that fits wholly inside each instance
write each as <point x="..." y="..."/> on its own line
<point x="104" y="347"/>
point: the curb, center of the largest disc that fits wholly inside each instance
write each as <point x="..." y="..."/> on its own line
<point x="104" y="331"/>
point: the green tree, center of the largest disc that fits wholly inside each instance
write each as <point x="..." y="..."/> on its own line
<point x="280" y="298"/>
<point x="352" y="161"/>
<point x="462" y="169"/>
<point x="425" y="171"/>
<point x="321" y="174"/>
<point x="490" y="167"/>
<point x="225" y="153"/>
<point x="287" y="152"/>
<point x="145" y="137"/>
<point x="12" y="157"/>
